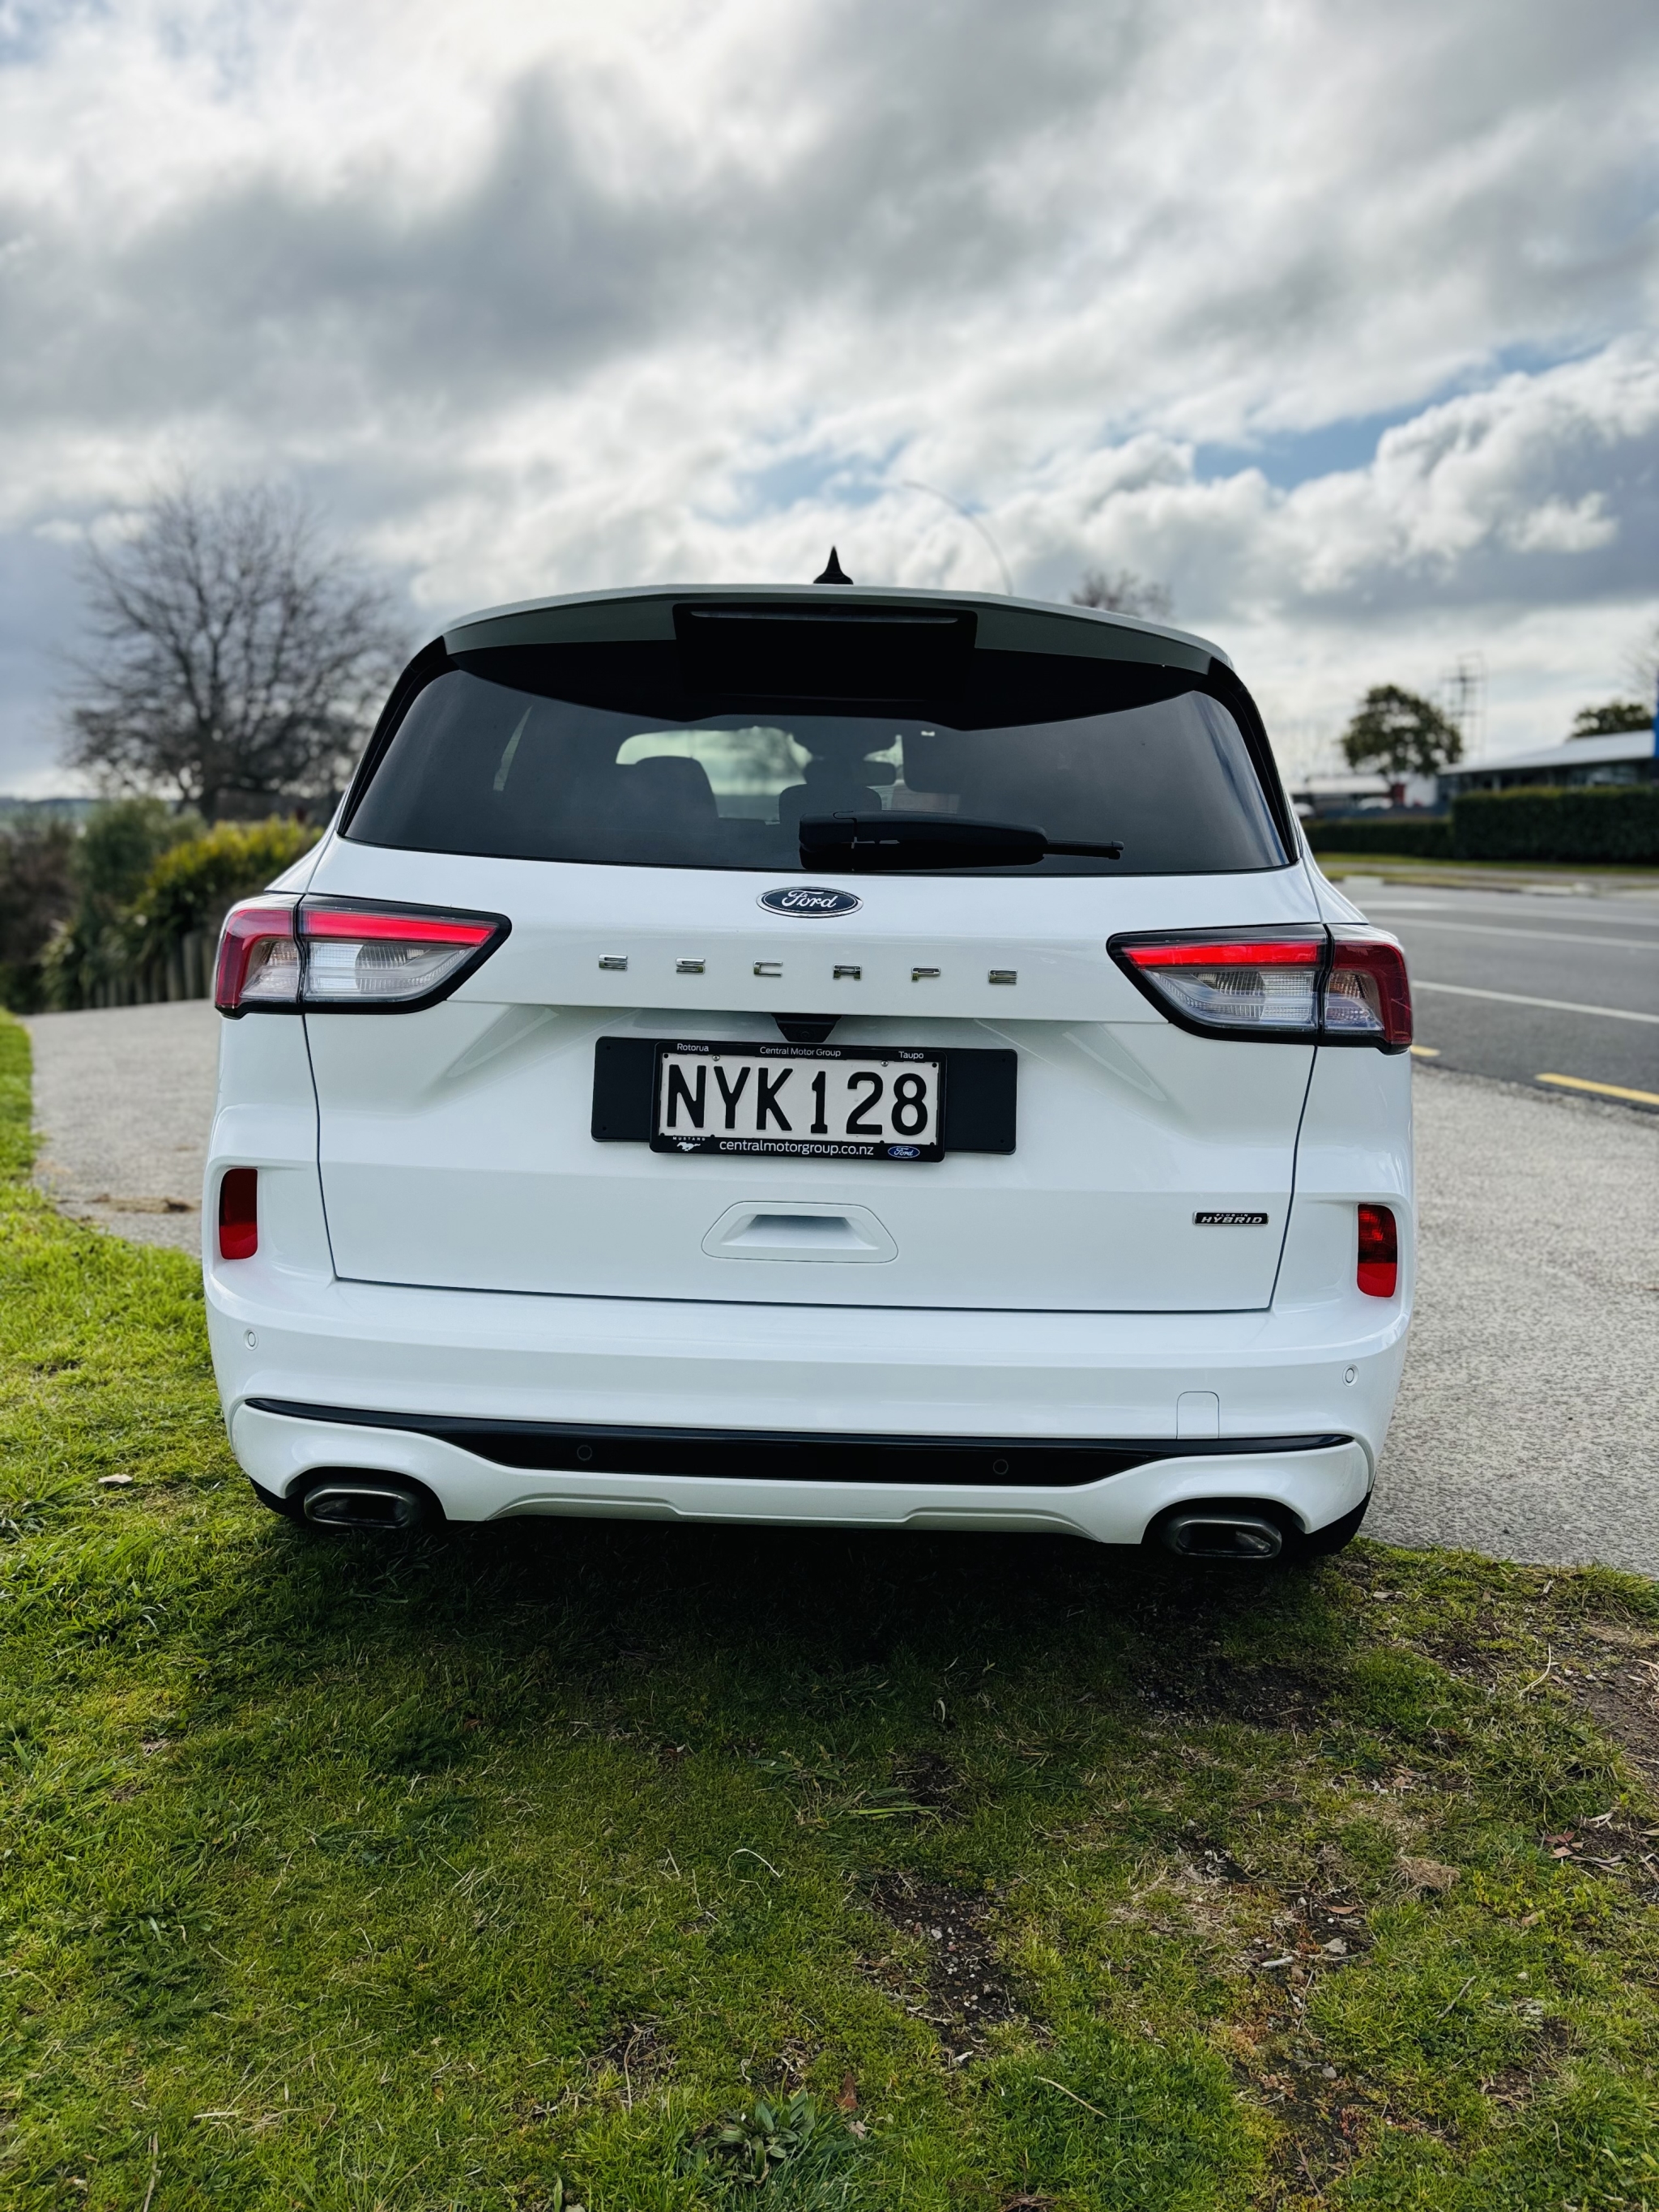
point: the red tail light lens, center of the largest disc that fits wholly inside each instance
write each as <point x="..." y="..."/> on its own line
<point x="1379" y="1252"/>
<point x="1368" y="995"/>
<point x="258" y="958"/>
<point x="339" y="954"/>
<point x="239" y="1213"/>
<point x="1342" y="987"/>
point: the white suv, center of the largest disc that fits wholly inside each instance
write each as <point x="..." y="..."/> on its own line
<point x="814" y="1054"/>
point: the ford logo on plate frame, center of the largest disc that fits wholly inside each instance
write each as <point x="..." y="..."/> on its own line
<point x="809" y="900"/>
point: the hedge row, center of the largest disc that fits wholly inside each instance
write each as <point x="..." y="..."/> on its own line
<point x="1422" y="838"/>
<point x="1593" y="821"/>
<point x="1611" y="823"/>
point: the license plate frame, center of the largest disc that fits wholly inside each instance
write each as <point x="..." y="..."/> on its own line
<point x="893" y="1146"/>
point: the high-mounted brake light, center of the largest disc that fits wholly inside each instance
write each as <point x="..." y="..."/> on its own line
<point x="1298" y="984"/>
<point x="347" y="955"/>
<point x="239" y="1213"/>
<point x="1378" y="1274"/>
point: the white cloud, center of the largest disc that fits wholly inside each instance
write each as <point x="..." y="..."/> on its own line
<point x="549" y="298"/>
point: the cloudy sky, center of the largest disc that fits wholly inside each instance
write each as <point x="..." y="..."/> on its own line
<point x="1339" y="318"/>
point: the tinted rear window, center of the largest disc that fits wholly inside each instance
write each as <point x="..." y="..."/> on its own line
<point x="599" y="754"/>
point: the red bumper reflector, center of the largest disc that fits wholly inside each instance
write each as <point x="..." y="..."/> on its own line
<point x="1379" y="1252"/>
<point x="239" y="1213"/>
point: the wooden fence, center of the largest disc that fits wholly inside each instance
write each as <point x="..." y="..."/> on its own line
<point x="186" y="972"/>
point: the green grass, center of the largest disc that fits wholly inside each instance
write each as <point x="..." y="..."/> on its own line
<point x="501" y="1871"/>
<point x="1336" y="865"/>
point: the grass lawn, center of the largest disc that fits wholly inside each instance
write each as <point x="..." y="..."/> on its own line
<point x="502" y="1871"/>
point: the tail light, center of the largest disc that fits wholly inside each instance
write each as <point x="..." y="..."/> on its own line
<point x="1265" y="984"/>
<point x="239" y="1213"/>
<point x="1378" y="1274"/>
<point x="349" y="956"/>
<point x="1368" y="994"/>
<point x="1299" y="984"/>
<point x="258" y="958"/>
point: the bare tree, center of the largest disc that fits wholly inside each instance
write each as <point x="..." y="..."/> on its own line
<point x="235" y="663"/>
<point x="1121" y="592"/>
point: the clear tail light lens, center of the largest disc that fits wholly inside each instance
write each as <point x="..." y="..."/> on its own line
<point x="362" y="955"/>
<point x="1343" y="986"/>
<point x="1262" y="984"/>
<point x="239" y="1213"/>
<point x="1379" y="1252"/>
<point x="347" y="955"/>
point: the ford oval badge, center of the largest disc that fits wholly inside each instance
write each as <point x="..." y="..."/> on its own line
<point x="809" y="899"/>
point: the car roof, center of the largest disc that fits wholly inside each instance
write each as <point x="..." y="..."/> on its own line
<point x="1003" y="623"/>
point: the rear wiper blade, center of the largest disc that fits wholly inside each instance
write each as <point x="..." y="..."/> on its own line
<point x="867" y="841"/>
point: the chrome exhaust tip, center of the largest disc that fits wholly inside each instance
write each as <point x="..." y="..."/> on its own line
<point x="1210" y="1533"/>
<point x="370" y="1503"/>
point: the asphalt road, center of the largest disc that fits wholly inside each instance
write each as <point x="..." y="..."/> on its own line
<point x="1528" y="1421"/>
<point x="1528" y="1424"/>
<point x="1525" y="985"/>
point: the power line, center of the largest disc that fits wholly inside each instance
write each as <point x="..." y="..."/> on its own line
<point x="911" y="484"/>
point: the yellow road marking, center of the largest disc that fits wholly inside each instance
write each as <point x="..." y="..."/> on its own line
<point x="1426" y="1052"/>
<point x="1603" y="1090"/>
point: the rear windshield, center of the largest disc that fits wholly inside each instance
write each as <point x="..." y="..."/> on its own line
<point x="493" y="758"/>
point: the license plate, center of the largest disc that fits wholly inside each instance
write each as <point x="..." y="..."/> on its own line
<point x="800" y="1101"/>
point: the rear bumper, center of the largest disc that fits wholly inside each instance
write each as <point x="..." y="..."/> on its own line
<point x="434" y="1371"/>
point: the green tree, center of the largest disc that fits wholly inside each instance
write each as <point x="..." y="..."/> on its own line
<point x="37" y="893"/>
<point x="109" y="867"/>
<point x="1610" y="720"/>
<point x="1400" y="733"/>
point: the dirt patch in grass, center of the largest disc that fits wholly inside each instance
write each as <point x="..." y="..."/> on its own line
<point x="964" y="1989"/>
<point x="1211" y="1687"/>
<point x="929" y="1782"/>
<point x="1608" y="1844"/>
<point x="1515" y="2087"/>
<point x="1617" y="1683"/>
<point x="639" y="2053"/>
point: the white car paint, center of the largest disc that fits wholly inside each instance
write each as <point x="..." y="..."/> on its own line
<point x="440" y="1236"/>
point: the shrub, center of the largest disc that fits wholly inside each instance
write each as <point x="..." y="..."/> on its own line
<point x="146" y="879"/>
<point x="1605" y="822"/>
<point x="190" y="887"/>
<point x="110" y="862"/>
